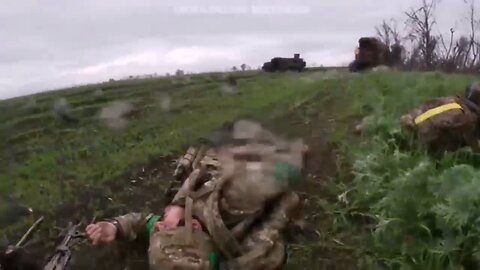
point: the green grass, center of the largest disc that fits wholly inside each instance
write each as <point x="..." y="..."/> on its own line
<point x="418" y="212"/>
<point x="388" y="207"/>
<point x="68" y="152"/>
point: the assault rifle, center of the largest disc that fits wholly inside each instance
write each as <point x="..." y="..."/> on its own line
<point x="63" y="252"/>
<point x="15" y="256"/>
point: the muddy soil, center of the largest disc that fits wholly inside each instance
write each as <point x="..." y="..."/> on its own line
<point x="143" y="190"/>
<point x="321" y="169"/>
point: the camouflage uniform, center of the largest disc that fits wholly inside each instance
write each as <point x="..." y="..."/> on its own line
<point x="444" y="124"/>
<point x="245" y="218"/>
<point x="371" y="53"/>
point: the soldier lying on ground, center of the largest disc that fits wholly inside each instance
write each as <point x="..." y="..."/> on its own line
<point x="230" y="213"/>
<point x="447" y="123"/>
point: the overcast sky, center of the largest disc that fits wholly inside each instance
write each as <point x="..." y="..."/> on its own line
<point x="47" y="44"/>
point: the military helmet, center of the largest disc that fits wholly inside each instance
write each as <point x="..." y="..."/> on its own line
<point x="472" y="93"/>
<point x="178" y="249"/>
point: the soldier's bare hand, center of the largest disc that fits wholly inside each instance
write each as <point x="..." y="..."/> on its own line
<point x="196" y="225"/>
<point x="173" y="215"/>
<point x="101" y="233"/>
<point x="159" y="226"/>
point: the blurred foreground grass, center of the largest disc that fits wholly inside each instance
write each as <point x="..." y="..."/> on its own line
<point x="399" y="208"/>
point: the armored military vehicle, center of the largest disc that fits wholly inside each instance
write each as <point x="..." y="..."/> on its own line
<point x="283" y="64"/>
<point x="370" y="53"/>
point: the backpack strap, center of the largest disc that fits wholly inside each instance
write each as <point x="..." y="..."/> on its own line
<point x="188" y="219"/>
<point x="199" y="157"/>
<point x="221" y="235"/>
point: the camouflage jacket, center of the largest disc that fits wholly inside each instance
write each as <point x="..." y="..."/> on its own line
<point x="263" y="247"/>
<point x="246" y="228"/>
<point x="444" y="124"/>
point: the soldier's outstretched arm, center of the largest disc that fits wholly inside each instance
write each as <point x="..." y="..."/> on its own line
<point x="133" y="225"/>
<point x="127" y="227"/>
